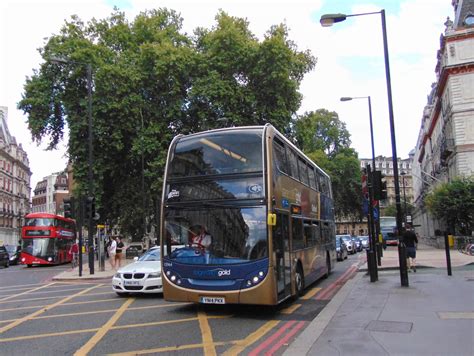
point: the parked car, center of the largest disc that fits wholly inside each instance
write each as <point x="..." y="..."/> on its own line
<point x="141" y="276"/>
<point x="351" y="248"/>
<point x="135" y="249"/>
<point x="358" y="243"/>
<point x="365" y="241"/>
<point x="4" y="257"/>
<point x="341" y="249"/>
<point x="13" y="254"/>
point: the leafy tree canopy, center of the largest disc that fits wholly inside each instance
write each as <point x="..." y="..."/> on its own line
<point x="325" y="139"/>
<point x="454" y="203"/>
<point x="152" y="81"/>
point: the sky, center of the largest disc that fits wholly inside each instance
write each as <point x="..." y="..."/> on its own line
<point x="350" y="59"/>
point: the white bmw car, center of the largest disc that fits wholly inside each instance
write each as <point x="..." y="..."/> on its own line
<point x="142" y="276"/>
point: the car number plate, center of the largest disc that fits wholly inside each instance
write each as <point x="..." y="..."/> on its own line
<point x="131" y="283"/>
<point x="213" y="300"/>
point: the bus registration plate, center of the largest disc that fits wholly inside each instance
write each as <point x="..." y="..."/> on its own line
<point x="213" y="300"/>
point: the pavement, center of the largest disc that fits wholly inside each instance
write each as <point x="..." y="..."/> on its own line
<point x="434" y="315"/>
<point x="105" y="273"/>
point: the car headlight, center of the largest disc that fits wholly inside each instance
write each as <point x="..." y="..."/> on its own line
<point x="117" y="275"/>
<point x="154" y="275"/>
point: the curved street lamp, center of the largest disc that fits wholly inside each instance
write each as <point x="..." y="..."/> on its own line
<point x="328" y="20"/>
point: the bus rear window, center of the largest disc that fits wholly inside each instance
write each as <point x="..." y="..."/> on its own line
<point x="217" y="153"/>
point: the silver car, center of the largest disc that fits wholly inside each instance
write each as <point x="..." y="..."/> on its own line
<point x="350" y="244"/>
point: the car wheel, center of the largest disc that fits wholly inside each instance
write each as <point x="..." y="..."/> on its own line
<point x="299" y="282"/>
<point x="122" y="295"/>
<point x="7" y="264"/>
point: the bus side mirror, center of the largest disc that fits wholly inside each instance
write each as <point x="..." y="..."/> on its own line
<point x="272" y="219"/>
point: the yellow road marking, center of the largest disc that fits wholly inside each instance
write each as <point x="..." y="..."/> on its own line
<point x="37" y="336"/>
<point x="206" y="332"/>
<point x="241" y="345"/>
<point x="153" y="323"/>
<point x="118" y="327"/>
<point x="26" y="292"/>
<point x="456" y="315"/>
<point x="290" y="309"/>
<point x="21" y="285"/>
<point x="89" y="345"/>
<point x="170" y="348"/>
<point x="310" y="293"/>
<point x="44" y="298"/>
<point x="38" y="312"/>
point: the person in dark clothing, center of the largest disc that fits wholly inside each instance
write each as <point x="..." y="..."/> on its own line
<point x="410" y="239"/>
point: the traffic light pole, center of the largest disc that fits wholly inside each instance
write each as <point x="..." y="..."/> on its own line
<point x="372" y="255"/>
<point x="90" y="164"/>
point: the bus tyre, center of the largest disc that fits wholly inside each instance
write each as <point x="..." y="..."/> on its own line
<point x="299" y="281"/>
<point x="29" y="266"/>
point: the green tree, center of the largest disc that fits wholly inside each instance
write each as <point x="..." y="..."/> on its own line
<point x="453" y="202"/>
<point x="325" y="139"/>
<point x="151" y="81"/>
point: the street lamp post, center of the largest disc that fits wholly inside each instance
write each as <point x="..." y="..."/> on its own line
<point x="329" y="20"/>
<point x="403" y="174"/>
<point x="375" y="227"/>
<point x="90" y="161"/>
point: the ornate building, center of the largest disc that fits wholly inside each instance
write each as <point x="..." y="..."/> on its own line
<point x="49" y="194"/>
<point x="445" y="147"/>
<point x="15" y="187"/>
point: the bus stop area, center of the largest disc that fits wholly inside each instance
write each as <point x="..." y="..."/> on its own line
<point x="434" y="315"/>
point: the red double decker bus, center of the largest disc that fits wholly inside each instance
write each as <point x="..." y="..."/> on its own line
<point x="47" y="239"/>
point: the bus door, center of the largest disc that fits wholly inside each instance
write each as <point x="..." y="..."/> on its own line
<point x="281" y="243"/>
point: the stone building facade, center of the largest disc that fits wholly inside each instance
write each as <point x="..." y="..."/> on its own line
<point x="15" y="190"/>
<point x="445" y="147"/>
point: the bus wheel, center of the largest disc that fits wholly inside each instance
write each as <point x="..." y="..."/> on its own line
<point x="29" y="266"/>
<point x="328" y="266"/>
<point x="299" y="281"/>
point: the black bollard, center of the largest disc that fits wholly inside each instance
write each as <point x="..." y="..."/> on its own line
<point x="402" y="260"/>
<point x="448" y="255"/>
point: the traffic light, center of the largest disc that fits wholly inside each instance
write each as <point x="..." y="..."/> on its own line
<point x="90" y="208"/>
<point x="379" y="186"/>
<point x="383" y="191"/>
<point x="68" y="205"/>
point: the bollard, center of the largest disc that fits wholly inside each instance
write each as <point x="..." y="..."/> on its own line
<point x="448" y="255"/>
<point x="379" y="254"/>
<point x="402" y="260"/>
<point x="372" y="268"/>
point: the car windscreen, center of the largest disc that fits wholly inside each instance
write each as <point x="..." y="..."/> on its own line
<point x="151" y="255"/>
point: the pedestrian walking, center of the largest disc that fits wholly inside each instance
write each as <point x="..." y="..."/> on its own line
<point x="118" y="252"/>
<point x="112" y="250"/>
<point x="410" y="239"/>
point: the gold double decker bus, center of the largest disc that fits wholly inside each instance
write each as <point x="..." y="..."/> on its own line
<point x="246" y="218"/>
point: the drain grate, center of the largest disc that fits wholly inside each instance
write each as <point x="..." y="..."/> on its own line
<point x="389" y="326"/>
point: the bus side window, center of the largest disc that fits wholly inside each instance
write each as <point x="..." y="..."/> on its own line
<point x="293" y="164"/>
<point x="312" y="181"/>
<point x="297" y="234"/>
<point x="308" y="233"/>
<point x="279" y="157"/>
<point x="303" y="171"/>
